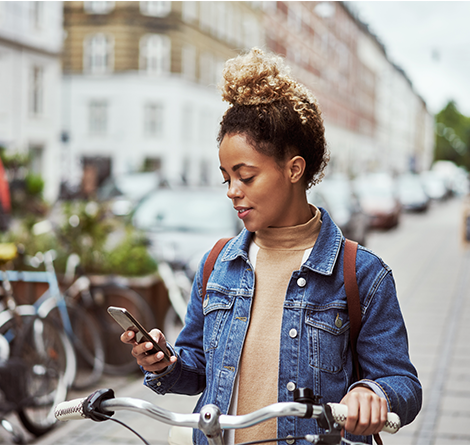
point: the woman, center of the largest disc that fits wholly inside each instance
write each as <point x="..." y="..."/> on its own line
<point x="274" y="317"/>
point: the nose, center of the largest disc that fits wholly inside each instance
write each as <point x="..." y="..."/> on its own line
<point x="234" y="191"/>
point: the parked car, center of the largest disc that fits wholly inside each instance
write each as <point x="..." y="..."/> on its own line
<point x="123" y="192"/>
<point x="411" y="193"/>
<point x="378" y="198"/>
<point x="184" y="223"/>
<point x="335" y="194"/>
<point x="434" y="185"/>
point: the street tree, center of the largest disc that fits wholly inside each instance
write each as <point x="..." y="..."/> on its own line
<point x="452" y="136"/>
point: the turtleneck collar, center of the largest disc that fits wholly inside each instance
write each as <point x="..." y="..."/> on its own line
<point x="299" y="237"/>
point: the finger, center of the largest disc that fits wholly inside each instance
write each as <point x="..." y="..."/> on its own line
<point x="157" y="335"/>
<point x="141" y="349"/>
<point x="128" y="337"/>
<point x="364" y="420"/>
<point x="353" y="415"/>
<point x="158" y="366"/>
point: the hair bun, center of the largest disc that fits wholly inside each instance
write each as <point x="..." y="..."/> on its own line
<point x="257" y="78"/>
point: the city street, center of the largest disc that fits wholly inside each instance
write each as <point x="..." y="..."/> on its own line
<point x="431" y="269"/>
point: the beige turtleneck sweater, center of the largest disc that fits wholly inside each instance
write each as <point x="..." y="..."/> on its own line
<point x="281" y="251"/>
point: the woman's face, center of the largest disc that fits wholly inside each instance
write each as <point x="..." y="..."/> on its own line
<point x="261" y="191"/>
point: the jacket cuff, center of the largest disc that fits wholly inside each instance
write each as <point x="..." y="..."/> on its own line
<point x="374" y="386"/>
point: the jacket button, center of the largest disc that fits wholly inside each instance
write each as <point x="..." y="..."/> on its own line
<point x="293" y="333"/>
<point x="290" y="439"/>
<point x="290" y="386"/>
<point x="301" y="282"/>
<point x="206" y="302"/>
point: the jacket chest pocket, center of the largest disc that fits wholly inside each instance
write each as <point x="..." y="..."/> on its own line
<point x="328" y="338"/>
<point x="216" y="308"/>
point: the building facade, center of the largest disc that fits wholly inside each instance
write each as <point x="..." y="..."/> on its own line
<point x="140" y="85"/>
<point x="31" y="39"/>
<point x="137" y="86"/>
<point x="373" y="118"/>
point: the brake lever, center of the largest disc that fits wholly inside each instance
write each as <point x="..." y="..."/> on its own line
<point x="328" y="423"/>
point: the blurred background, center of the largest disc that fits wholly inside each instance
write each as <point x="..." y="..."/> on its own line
<point x="111" y="100"/>
<point x="109" y="112"/>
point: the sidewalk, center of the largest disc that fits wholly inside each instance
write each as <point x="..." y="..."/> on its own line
<point x="106" y="433"/>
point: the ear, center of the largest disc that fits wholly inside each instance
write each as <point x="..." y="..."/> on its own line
<point x="296" y="168"/>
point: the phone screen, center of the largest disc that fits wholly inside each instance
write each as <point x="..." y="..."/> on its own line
<point x="125" y="319"/>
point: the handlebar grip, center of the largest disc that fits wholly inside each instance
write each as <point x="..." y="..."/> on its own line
<point x="70" y="410"/>
<point x="340" y="413"/>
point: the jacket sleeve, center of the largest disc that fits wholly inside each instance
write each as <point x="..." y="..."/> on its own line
<point x="382" y="346"/>
<point x="188" y="374"/>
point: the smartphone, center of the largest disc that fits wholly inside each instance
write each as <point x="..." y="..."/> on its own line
<point x="126" y="320"/>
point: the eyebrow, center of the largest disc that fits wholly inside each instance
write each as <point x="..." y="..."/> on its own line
<point x="238" y="166"/>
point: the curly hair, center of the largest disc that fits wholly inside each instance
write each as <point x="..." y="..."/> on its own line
<point x="278" y="116"/>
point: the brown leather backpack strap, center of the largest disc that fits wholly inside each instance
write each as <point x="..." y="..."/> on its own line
<point x="210" y="263"/>
<point x="354" y="302"/>
<point x="354" y="306"/>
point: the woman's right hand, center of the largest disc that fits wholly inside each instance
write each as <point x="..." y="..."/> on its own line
<point x="150" y="362"/>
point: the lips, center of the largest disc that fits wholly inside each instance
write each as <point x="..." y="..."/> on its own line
<point x="243" y="212"/>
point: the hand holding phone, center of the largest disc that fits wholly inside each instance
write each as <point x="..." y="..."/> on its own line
<point x="126" y="320"/>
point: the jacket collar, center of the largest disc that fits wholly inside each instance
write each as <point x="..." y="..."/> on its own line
<point x="324" y="254"/>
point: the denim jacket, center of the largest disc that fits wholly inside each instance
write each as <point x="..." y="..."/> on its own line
<point x="314" y="343"/>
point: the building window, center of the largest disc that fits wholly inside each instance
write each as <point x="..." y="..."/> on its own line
<point x="155" y="54"/>
<point x="189" y="12"/>
<point x="98" y="117"/>
<point x="36" y="102"/>
<point x="36" y="155"/>
<point x="37" y="14"/>
<point x="98" y="54"/>
<point x="188" y="124"/>
<point x="155" y="9"/>
<point x="153" y="119"/>
<point x="98" y="7"/>
<point x="206" y="68"/>
<point x="188" y="62"/>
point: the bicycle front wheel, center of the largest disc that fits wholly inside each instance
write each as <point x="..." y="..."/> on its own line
<point x="118" y="359"/>
<point x="44" y="350"/>
<point x="85" y="336"/>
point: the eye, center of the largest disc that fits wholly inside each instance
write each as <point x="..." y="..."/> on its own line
<point x="227" y="181"/>
<point x="246" y="180"/>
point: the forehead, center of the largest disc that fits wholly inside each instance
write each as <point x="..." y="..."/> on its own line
<point x="235" y="152"/>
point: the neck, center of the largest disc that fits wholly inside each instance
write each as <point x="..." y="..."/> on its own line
<point x="301" y="211"/>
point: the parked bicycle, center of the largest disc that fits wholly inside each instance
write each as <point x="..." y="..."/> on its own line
<point x="94" y="298"/>
<point x="102" y="404"/>
<point x="67" y="314"/>
<point x="34" y="356"/>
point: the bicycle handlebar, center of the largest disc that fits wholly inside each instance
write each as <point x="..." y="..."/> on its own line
<point x="103" y="402"/>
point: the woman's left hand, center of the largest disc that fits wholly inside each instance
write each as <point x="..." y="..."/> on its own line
<point x="367" y="412"/>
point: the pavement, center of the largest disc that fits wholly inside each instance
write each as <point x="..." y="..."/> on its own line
<point x="432" y="272"/>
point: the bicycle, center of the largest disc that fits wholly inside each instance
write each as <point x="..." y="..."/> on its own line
<point x="94" y="299"/>
<point x="81" y="329"/>
<point x="35" y="357"/>
<point x="331" y="417"/>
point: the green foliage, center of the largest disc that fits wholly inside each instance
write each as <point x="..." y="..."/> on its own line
<point x="130" y="257"/>
<point x="13" y="160"/>
<point x="34" y="184"/>
<point x="25" y="187"/>
<point x="84" y="231"/>
<point x="105" y="244"/>
<point x="453" y="136"/>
